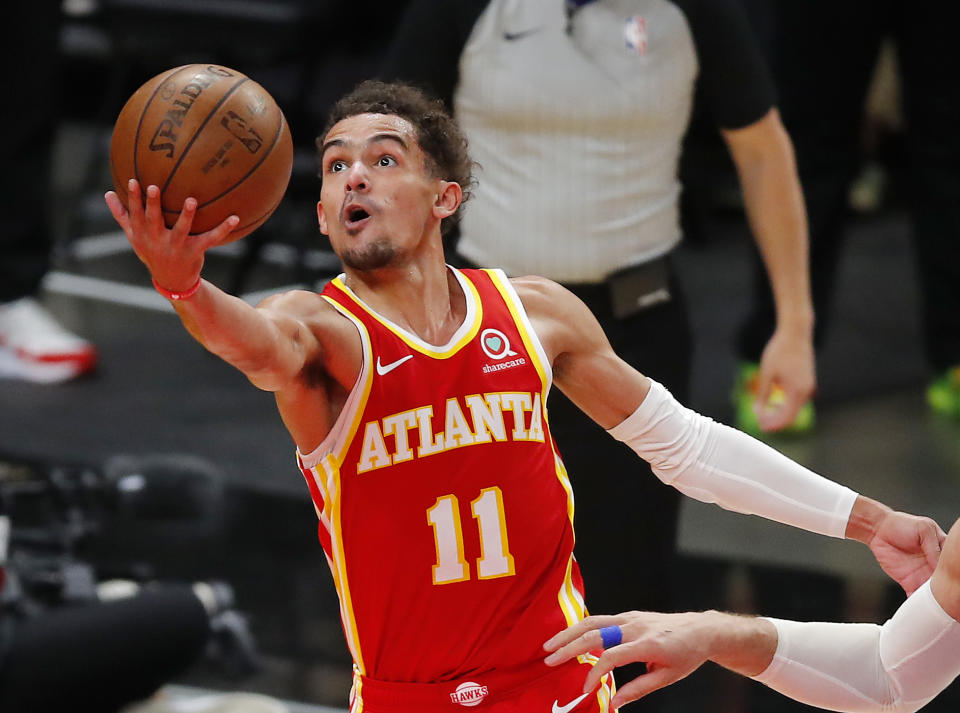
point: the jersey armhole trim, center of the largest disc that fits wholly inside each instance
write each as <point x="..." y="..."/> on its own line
<point x="348" y="421"/>
<point x="525" y="327"/>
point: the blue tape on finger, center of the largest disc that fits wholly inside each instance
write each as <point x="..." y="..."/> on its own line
<point x="611" y="636"/>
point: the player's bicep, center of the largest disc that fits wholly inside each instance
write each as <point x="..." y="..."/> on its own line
<point x="602" y="385"/>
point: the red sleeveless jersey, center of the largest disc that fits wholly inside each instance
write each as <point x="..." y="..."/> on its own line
<point x="446" y="513"/>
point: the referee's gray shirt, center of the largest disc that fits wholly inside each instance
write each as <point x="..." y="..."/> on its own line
<point x="576" y="118"/>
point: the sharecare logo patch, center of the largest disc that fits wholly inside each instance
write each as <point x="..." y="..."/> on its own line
<point x="495" y="344"/>
<point x="501" y="365"/>
<point x="469" y="694"/>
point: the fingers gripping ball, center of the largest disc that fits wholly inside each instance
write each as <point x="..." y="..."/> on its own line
<point x="209" y="132"/>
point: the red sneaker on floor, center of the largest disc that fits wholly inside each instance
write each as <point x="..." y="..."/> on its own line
<point x="35" y="347"/>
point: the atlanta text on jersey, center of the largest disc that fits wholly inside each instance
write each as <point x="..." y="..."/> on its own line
<point x="485" y="425"/>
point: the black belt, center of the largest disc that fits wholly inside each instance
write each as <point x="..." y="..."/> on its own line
<point x="628" y="291"/>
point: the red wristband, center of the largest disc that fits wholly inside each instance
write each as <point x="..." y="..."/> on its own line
<point x="177" y="296"/>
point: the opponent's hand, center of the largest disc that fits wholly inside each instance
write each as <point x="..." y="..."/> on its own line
<point x="173" y="256"/>
<point x="786" y="380"/>
<point x="671" y="645"/>
<point x="907" y="548"/>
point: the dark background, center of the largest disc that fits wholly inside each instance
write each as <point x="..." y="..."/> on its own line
<point x="158" y="392"/>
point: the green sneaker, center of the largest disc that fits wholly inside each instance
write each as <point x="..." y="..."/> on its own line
<point x="746" y="418"/>
<point x="943" y="394"/>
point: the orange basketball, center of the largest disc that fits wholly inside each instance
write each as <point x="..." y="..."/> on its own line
<point x="209" y="132"/>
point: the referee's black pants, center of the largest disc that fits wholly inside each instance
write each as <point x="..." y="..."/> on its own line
<point x="625" y="518"/>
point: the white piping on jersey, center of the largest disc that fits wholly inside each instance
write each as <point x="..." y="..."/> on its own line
<point x="336" y="439"/>
<point x="513" y="300"/>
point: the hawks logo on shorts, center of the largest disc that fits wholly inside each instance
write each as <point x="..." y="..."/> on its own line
<point x="469" y="694"/>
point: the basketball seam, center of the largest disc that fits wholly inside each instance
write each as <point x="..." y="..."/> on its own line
<point x="200" y="129"/>
<point x="143" y="116"/>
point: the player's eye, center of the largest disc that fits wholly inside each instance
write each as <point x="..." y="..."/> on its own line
<point x="386" y="161"/>
<point x="337" y="165"/>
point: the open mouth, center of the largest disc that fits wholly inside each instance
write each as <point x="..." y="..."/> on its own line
<point x="355" y="217"/>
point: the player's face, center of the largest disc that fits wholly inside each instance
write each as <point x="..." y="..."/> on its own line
<point x="377" y="198"/>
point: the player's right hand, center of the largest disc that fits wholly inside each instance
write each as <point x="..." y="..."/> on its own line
<point x="173" y="256"/>
<point x="671" y="645"/>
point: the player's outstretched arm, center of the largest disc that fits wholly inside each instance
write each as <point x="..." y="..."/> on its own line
<point x="709" y="461"/>
<point x="864" y="668"/>
<point x="268" y="344"/>
<point x="857" y="668"/>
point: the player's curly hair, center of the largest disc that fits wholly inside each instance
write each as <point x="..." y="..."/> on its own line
<point x="438" y="134"/>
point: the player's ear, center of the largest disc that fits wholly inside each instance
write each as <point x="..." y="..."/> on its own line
<point x="321" y="219"/>
<point x="449" y="198"/>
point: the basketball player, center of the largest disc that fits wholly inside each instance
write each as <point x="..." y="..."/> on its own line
<point x="895" y="668"/>
<point x="416" y="395"/>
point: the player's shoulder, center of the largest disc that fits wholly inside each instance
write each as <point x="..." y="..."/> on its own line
<point x="297" y="303"/>
<point x="536" y="285"/>
<point x="561" y="319"/>
<point x="541" y="295"/>
<point x="307" y="309"/>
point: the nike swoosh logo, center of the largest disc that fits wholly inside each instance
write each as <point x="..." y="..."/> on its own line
<point x="511" y="36"/>
<point x="557" y="708"/>
<point x="387" y="368"/>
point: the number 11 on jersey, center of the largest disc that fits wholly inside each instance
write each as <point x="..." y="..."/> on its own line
<point x="495" y="559"/>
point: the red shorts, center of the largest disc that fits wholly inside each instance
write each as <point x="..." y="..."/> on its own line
<point x="526" y="690"/>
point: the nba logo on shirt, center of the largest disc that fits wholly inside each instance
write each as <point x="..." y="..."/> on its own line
<point x="635" y="35"/>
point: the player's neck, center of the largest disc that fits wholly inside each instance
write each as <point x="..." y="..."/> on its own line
<point x="425" y="299"/>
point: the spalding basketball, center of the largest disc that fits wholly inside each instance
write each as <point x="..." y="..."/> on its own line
<point x="209" y="132"/>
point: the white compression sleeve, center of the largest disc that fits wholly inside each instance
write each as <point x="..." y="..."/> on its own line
<point x="718" y="464"/>
<point x="865" y="668"/>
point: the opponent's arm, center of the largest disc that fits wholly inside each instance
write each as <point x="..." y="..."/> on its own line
<point x="710" y="461"/>
<point x="671" y="645"/>
<point x="763" y="155"/>
<point x="863" y="668"/>
<point x="857" y="668"/>
<point x="269" y="344"/>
